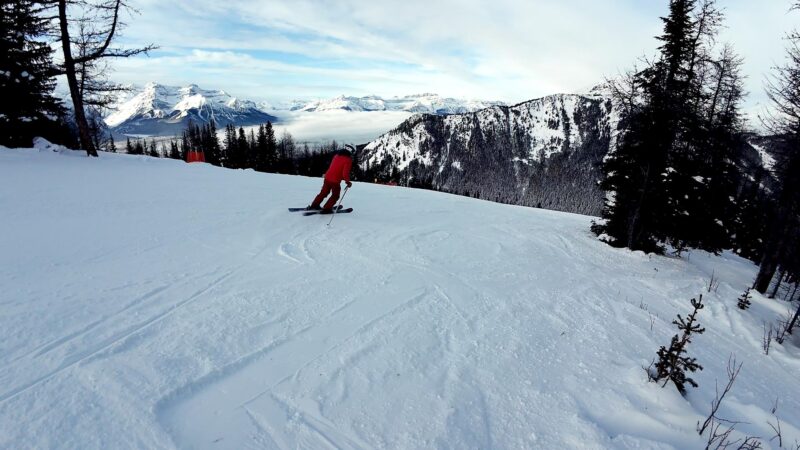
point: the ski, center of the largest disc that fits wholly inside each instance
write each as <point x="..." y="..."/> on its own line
<point x="308" y="210"/>
<point x="341" y="211"/>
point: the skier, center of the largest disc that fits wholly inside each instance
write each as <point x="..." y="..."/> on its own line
<point x="339" y="170"/>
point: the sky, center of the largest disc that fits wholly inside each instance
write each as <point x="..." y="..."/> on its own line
<point x="509" y="50"/>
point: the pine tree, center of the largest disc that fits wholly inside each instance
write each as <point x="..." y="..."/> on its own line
<point x="28" y="107"/>
<point x="242" y="150"/>
<point x="186" y="146"/>
<point x="211" y="147"/>
<point x="672" y="176"/>
<point x="260" y="152"/>
<point x="673" y="363"/>
<point x="781" y="239"/>
<point x="744" y="299"/>
<point x="271" y="153"/>
<point x="112" y="147"/>
<point x="174" y="152"/>
<point x="153" y="151"/>
<point x="228" y="146"/>
<point x="252" y="150"/>
<point x="129" y="148"/>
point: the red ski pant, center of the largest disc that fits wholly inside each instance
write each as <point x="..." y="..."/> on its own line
<point x="328" y="188"/>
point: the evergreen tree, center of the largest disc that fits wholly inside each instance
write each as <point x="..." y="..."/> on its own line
<point x="186" y="146"/>
<point x="28" y="107"/>
<point x="271" y="152"/>
<point x="781" y="239"/>
<point x="138" y="148"/>
<point x="129" y="148"/>
<point x="673" y="174"/>
<point x="112" y="147"/>
<point x="153" y="151"/>
<point x="744" y="299"/>
<point x="228" y="146"/>
<point x="252" y="154"/>
<point x="174" y="152"/>
<point x="210" y="144"/>
<point x="242" y="150"/>
<point x="260" y="152"/>
<point x="673" y="362"/>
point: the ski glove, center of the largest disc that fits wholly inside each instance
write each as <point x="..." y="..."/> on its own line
<point x="349" y="184"/>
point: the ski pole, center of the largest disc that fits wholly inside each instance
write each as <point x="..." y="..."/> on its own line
<point x="336" y="208"/>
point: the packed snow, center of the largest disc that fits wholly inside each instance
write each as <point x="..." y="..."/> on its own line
<point x="149" y="303"/>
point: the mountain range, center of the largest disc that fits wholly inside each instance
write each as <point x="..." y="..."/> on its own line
<point x="421" y="103"/>
<point x="166" y="110"/>
<point x="157" y="109"/>
<point x="544" y="152"/>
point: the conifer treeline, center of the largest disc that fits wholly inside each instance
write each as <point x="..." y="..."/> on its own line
<point x="676" y="178"/>
<point x="259" y="149"/>
<point x="673" y="178"/>
<point x="780" y="260"/>
<point x="28" y="107"/>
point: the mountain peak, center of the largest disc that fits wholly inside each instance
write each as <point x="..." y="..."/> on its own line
<point x="158" y="109"/>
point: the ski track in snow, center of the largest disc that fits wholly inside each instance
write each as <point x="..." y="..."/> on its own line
<point x="195" y="312"/>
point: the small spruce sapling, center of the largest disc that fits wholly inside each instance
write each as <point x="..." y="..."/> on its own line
<point x="744" y="299"/>
<point x="673" y="363"/>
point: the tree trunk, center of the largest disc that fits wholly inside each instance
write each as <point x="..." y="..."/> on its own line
<point x="794" y="321"/>
<point x="72" y="80"/>
<point x="774" y="292"/>
<point x="765" y="273"/>
<point x="772" y="251"/>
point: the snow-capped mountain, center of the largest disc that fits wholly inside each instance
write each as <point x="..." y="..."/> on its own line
<point x="422" y="103"/>
<point x="543" y="152"/>
<point x="158" y="110"/>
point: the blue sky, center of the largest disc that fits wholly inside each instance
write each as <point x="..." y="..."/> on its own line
<point x="510" y="50"/>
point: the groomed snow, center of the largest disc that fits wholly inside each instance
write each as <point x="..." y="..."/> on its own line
<point x="149" y="303"/>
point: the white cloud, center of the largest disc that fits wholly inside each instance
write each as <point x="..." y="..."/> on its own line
<point x="510" y="50"/>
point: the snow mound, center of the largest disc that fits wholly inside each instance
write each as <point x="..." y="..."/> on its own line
<point x="154" y="304"/>
<point x="43" y="145"/>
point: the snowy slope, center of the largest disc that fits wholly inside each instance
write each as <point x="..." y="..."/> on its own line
<point x="153" y="304"/>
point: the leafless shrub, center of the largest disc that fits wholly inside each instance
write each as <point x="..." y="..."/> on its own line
<point x="766" y="339"/>
<point x="733" y="370"/>
<point x="713" y="282"/>
<point x="750" y="443"/>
